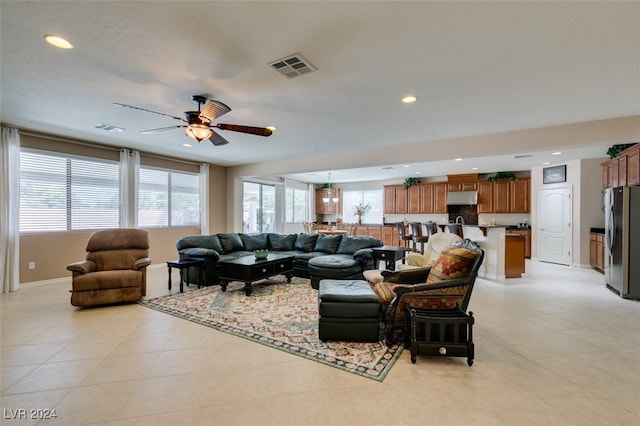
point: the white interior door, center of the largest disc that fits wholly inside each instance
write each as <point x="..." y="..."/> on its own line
<point x="554" y="232"/>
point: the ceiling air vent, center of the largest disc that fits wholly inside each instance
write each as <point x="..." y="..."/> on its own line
<point x="108" y="128"/>
<point x="292" y="66"/>
<point x="523" y="156"/>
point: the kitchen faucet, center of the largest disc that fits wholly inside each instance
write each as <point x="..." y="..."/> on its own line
<point x="460" y="219"/>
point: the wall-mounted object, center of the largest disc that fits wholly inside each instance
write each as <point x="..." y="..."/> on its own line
<point x="554" y="174"/>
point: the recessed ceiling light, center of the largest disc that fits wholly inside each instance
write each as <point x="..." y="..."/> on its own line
<point x="556" y="153"/>
<point x="457" y="159"/>
<point x="546" y="163"/>
<point x="409" y="99"/>
<point x="417" y="173"/>
<point x="474" y="168"/>
<point x="58" y="41"/>
<point x="406" y="166"/>
<point x="188" y="145"/>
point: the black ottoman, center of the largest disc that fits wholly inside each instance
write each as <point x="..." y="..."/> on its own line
<point x="349" y="311"/>
<point x="335" y="266"/>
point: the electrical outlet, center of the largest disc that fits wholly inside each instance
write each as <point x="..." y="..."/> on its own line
<point x="32" y="265"/>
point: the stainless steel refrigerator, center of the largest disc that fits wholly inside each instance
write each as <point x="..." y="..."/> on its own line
<point x="622" y="240"/>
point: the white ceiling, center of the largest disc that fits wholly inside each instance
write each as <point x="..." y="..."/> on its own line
<point x="477" y="68"/>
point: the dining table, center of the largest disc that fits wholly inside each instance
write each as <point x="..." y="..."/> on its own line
<point x="332" y="231"/>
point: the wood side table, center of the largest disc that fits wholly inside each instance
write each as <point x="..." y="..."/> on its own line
<point x="388" y="254"/>
<point x="184" y="265"/>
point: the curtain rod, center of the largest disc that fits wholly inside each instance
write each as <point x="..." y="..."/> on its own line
<point x="33" y="133"/>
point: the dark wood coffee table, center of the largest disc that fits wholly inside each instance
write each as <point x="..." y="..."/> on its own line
<point x="248" y="269"/>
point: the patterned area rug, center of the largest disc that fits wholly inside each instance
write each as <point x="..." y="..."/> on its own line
<point x="282" y="316"/>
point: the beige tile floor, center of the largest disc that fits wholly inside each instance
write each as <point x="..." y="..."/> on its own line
<point x="554" y="347"/>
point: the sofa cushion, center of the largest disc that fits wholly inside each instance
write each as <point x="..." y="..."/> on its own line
<point x="452" y="262"/>
<point x="327" y="243"/>
<point x="231" y="242"/>
<point x="282" y="242"/>
<point x="199" y="252"/>
<point x="352" y="243"/>
<point x="202" y="241"/>
<point x="305" y="242"/>
<point x="254" y="241"/>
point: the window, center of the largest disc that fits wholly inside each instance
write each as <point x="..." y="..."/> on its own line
<point x="168" y="198"/>
<point x="59" y="192"/>
<point x="296" y="205"/>
<point x="372" y="197"/>
<point x="258" y="211"/>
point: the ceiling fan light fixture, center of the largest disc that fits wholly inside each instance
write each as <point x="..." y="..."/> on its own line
<point x="198" y="132"/>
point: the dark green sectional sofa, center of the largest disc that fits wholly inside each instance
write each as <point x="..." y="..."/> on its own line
<point x="212" y="248"/>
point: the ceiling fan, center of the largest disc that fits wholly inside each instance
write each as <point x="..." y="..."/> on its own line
<point x="198" y="124"/>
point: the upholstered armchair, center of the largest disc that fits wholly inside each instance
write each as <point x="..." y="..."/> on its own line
<point x="447" y="284"/>
<point x="115" y="269"/>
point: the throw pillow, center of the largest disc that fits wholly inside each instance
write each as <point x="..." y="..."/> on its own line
<point x="305" y="242"/>
<point x="327" y="243"/>
<point x="231" y="242"/>
<point x="452" y="262"/>
<point x="282" y="242"/>
<point x="253" y="242"/>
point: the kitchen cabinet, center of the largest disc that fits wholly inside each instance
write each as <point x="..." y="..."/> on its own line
<point x="633" y="165"/>
<point x="596" y="251"/>
<point x="426" y="198"/>
<point x="514" y="256"/>
<point x="526" y="234"/>
<point x="519" y="195"/>
<point x="439" y="197"/>
<point x="462" y="186"/>
<point x="501" y="193"/>
<point x="485" y="197"/>
<point x="624" y="170"/>
<point x="375" y="232"/>
<point x="511" y="196"/>
<point x="414" y="203"/>
<point x="395" y="199"/>
<point x="330" y="207"/>
<point x="389" y="235"/>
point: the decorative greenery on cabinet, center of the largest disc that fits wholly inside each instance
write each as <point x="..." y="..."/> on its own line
<point x="410" y="182"/>
<point x="502" y="176"/>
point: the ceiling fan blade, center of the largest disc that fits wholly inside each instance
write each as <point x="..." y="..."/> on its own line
<point x="217" y="140"/>
<point x="213" y="110"/>
<point x="148" y="110"/>
<point x="260" y="131"/>
<point x="160" y="130"/>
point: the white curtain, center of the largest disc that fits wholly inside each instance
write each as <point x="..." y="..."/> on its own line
<point x="129" y="172"/>
<point x="10" y="209"/>
<point x="204" y="198"/>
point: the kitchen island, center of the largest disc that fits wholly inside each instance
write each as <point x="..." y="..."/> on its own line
<point x="492" y="240"/>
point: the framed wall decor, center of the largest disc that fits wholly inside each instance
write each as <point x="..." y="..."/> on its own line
<point x="554" y="174"/>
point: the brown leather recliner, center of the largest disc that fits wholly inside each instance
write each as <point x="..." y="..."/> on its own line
<point x="115" y="270"/>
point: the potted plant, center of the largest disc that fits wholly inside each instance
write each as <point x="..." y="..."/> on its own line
<point x="503" y="176"/>
<point x="410" y="182"/>
<point x="361" y="209"/>
<point x="615" y="150"/>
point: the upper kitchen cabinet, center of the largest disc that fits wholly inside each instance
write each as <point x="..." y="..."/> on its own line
<point x="519" y="193"/>
<point x="395" y="199"/>
<point x="633" y="165"/>
<point x="485" y="196"/>
<point x="414" y="199"/>
<point x="623" y="170"/>
<point x="511" y="196"/>
<point x="440" y="198"/>
<point x="330" y="207"/>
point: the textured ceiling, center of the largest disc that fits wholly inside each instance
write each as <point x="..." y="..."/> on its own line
<point x="477" y="68"/>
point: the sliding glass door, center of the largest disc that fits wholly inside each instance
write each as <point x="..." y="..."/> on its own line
<point x="259" y="205"/>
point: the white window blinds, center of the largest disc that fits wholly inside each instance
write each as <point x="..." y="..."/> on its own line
<point x="62" y="193"/>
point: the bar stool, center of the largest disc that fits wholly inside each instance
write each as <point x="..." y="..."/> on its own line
<point x="403" y="237"/>
<point x="417" y="236"/>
